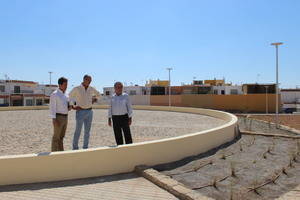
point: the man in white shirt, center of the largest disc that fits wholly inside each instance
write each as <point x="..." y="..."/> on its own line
<point x="84" y="95"/>
<point x="59" y="113"/>
<point x="120" y="113"/>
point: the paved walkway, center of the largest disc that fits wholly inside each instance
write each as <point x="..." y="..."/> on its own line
<point x="117" y="187"/>
<point x="292" y="195"/>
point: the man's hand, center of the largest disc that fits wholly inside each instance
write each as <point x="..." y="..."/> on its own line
<point x="94" y="100"/>
<point x="109" y="121"/>
<point x="55" y="122"/>
<point x="129" y="121"/>
<point x="77" y="108"/>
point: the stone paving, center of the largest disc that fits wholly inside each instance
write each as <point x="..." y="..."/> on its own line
<point x="116" y="187"/>
<point x="292" y="195"/>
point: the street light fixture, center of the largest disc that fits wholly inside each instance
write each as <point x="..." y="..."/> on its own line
<point x="169" y="69"/>
<point x="276" y="44"/>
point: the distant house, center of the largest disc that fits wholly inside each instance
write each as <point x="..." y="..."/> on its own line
<point x="130" y="90"/>
<point x="24" y="93"/>
<point x="290" y="95"/>
<point x="259" y="88"/>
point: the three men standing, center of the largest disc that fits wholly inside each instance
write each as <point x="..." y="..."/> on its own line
<point x="59" y="108"/>
<point x="120" y="113"/>
<point x="83" y="96"/>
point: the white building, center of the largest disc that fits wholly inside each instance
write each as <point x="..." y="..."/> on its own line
<point x="290" y="99"/>
<point x="24" y="93"/>
<point x="139" y="95"/>
<point x="130" y="90"/>
<point x="227" y="89"/>
<point x="290" y="95"/>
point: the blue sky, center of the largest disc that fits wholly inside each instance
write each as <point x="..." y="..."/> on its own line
<point x="135" y="40"/>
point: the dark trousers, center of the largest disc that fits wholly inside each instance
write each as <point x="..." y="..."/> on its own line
<point x="120" y="123"/>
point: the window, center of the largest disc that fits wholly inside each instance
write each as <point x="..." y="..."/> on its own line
<point x="107" y="93"/>
<point x="215" y="91"/>
<point x="29" y="102"/>
<point x="132" y="92"/>
<point x="17" y="89"/>
<point x="39" y="102"/>
<point x="2" y="88"/>
<point x="233" y="91"/>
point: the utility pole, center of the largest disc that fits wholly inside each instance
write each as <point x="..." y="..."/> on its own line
<point x="9" y="93"/>
<point x="266" y="86"/>
<point x="169" y="69"/>
<point x="50" y="74"/>
<point x="276" y="44"/>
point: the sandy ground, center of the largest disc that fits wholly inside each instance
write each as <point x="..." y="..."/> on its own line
<point x="290" y="120"/>
<point x="24" y="132"/>
<point x="251" y="162"/>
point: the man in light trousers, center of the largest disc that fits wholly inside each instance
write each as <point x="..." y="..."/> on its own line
<point x="83" y="96"/>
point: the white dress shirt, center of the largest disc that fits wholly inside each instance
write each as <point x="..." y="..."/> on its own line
<point x="58" y="103"/>
<point x="120" y="105"/>
<point x="83" y="97"/>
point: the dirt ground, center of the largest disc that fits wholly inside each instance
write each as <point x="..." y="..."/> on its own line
<point x="251" y="167"/>
<point x="31" y="131"/>
<point x="287" y="120"/>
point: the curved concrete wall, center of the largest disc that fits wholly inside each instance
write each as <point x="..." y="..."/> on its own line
<point x="111" y="160"/>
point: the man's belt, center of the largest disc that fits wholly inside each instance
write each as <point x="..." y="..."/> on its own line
<point x="60" y="114"/>
<point x="86" y="108"/>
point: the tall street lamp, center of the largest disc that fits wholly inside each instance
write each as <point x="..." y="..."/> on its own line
<point x="9" y="92"/>
<point x="169" y="69"/>
<point x="276" y="44"/>
<point x="50" y="74"/>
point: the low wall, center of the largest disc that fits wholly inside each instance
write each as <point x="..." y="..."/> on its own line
<point x="241" y="103"/>
<point x="112" y="160"/>
<point x="163" y="100"/>
<point x="140" y="99"/>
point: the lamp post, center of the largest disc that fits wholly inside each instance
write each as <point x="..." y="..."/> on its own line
<point x="266" y="86"/>
<point x="50" y="74"/>
<point x="169" y="69"/>
<point x="276" y="44"/>
<point x="9" y="93"/>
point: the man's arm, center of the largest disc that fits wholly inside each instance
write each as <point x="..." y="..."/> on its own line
<point x="53" y="108"/>
<point x="129" y="110"/>
<point x="96" y="95"/>
<point x="72" y="96"/>
<point x="109" y="112"/>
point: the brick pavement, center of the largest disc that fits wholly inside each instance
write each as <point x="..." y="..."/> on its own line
<point x="116" y="187"/>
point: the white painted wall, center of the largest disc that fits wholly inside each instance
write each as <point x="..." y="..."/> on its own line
<point x="135" y="100"/>
<point x="43" y="89"/>
<point x="130" y="90"/>
<point x="290" y="96"/>
<point x="228" y="89"/>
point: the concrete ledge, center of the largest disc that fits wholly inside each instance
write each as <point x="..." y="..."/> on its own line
<point x="112" y="160"/>
<point x="171" y="185"/>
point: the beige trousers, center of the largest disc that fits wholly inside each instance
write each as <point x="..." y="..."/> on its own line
<point x="59" y="133"/>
